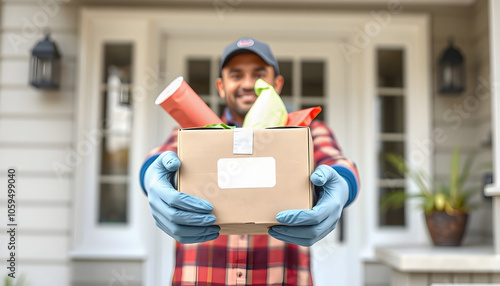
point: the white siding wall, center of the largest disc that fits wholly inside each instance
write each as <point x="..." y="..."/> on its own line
<point x="36" y="130"/>
<point x="481" y="221"/>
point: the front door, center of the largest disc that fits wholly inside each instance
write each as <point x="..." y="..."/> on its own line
<point x="314" y="76"/>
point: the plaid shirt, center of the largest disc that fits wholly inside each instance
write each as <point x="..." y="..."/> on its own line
<point x="254" y="259"/>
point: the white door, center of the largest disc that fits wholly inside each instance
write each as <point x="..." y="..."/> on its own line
<point x="314" y="75"/>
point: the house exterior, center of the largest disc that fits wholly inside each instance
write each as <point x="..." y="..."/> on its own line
<point x="372" y="65"/>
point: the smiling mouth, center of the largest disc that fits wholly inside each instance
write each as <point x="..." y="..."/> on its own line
<point x="247" y="97"/>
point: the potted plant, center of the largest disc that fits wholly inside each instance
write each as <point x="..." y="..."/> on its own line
<point x="13" y="281"/>
<point x="446" y="205"/>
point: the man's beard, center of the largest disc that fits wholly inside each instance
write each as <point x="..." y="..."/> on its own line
<point x="242" y="111"/>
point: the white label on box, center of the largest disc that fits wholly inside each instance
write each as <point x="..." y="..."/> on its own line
<point x="238" y="173"/>
<point x="243" y="141"/>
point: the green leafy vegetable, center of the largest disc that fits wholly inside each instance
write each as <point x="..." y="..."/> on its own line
<point x="220" y="126"/>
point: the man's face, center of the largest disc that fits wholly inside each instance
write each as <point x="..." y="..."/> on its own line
<point x="238" y="80"/>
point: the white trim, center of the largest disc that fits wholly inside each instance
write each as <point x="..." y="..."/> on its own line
<point x="391" y="91"/>
<point x="494" y="25"/>
<point x="184" y="23"/>
<point x="107" y="254"/>
<point x="494" y="189"/>
<point x="388" y="137"/>
<point x="427" y="258"/>
<point x="391" y="182"/>
<point x="496" y="224"/>
<point x="107" y="240"/>
<point x="228" y="5"/>
<point x="414" y="39"/>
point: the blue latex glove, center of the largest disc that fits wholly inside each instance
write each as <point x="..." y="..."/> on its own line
<point x="184" y="217"/>
<point x="306" y="227"/>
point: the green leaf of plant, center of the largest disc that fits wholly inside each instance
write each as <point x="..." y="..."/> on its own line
<point x="454" y="173"/>
<point x="393" y="200"/>
<point x="418" y="177"/>
<point x="466" y="194"/>
<point x="439" y="196"/>
<point x="466" y="170"/>
<point x="422" y="181"/>
<point x="398" y="162"/>
<point x="220" y="125"/>
<point x="428" y="205"/>
<point x="443" y="189"/>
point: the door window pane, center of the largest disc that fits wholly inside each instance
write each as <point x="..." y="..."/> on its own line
<point x="392" y="118"/>
<point x="390" y="67"/>
<point x="115" y="208"/>
<point x="313" y="74"/>
<point x="287" y="72"/>
<point x="386" y="169"/>
<point x="117" y="133"/>
<point x="198" y="75"/>
<point x="115" y="151"/>
<point x="118" y="56"/>
<point x="391" y="217"/>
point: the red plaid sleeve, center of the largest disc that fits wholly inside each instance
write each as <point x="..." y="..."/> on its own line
<point x="327" y="151"/>
<point x="170" y="144"/>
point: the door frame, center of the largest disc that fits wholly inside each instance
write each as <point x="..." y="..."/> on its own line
<point x="146" y="27"/>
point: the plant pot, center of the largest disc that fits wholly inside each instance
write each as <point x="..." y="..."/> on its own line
<point x="446" y="229"/>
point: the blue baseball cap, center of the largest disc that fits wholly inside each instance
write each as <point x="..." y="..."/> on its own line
<point x="249" y="45"/>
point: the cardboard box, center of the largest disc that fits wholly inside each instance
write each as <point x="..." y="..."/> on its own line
<point x="249" y="175"/>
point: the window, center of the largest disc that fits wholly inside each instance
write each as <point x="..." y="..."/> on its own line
<point x="312" y="78"/>
<point x="117" y="130"/>
<point x="111" y="101"/>
<point x="201" y="75"/>
<point x="390" y="112"/>
<point x="304" y="85"/>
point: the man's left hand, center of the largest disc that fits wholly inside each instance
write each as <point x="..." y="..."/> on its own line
<point x="306" y="227"/>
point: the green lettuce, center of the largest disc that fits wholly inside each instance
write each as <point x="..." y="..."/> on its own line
<point x="268" y="110"/>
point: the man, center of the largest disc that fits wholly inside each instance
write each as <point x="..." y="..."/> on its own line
<point x="280" y="258"/>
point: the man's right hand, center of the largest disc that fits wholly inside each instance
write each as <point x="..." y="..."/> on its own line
<point x="184" y="217"/>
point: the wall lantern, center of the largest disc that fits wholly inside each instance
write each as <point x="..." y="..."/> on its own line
<point x="451" y="71"/>
<point x="45" y="66"/>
